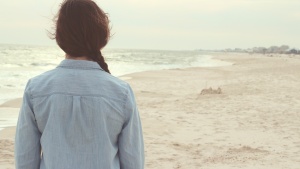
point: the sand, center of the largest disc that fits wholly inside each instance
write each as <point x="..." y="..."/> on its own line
<point x="242" y="116"/>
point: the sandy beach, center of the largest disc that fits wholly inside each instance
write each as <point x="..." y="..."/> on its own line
<point x="250" y="118"/>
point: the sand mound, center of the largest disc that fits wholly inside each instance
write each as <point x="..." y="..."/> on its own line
<point x="211" y="91"/>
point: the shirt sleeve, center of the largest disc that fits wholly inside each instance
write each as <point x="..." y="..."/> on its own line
<point x="27" y="141"/>
<point x="131" y="143"/>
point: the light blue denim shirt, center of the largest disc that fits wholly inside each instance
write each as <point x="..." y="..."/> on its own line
<point x="77" y="116"/>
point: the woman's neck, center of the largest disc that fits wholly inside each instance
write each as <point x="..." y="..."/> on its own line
<point x="77" y="58"/>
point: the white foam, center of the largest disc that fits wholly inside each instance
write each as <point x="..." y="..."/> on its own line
<point x="208" y="61"/>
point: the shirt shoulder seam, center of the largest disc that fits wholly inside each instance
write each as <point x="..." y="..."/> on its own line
<point x="72" y="94"/>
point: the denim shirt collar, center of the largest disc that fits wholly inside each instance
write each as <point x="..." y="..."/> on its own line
<point x="79" y="64"/>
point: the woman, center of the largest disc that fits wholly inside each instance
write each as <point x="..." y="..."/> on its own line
<point x="77" y="115"/>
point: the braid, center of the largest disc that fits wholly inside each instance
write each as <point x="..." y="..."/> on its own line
<point x="97" y="56"/>
<point x="102" y="62"/>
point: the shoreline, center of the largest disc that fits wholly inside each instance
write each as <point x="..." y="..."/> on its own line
<point x="214" y="62"/>
<point x="10" y="92"/>
<point x="16" y="102"/>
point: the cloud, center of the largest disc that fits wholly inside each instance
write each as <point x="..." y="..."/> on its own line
<point x="295" y="15"/>
<point x="201" y="5"/>
<point x="172" y="22"/>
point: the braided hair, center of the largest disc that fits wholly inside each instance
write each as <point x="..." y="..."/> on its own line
<point x="82" y="29"/>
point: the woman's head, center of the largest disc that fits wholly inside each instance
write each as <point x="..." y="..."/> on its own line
<point x="82" y="29"/>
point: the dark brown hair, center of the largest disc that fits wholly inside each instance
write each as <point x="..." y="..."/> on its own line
<point x="82" y="29"/>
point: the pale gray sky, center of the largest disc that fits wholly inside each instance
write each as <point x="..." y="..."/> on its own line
<point x="167" y="24"/>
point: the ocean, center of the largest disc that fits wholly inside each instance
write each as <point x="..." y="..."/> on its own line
<point x="22" y="62"/>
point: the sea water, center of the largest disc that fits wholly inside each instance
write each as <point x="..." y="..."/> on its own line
<point x="22" y="62"/>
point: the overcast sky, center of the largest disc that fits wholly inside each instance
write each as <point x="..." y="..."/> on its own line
<point x="167" y="24"/>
